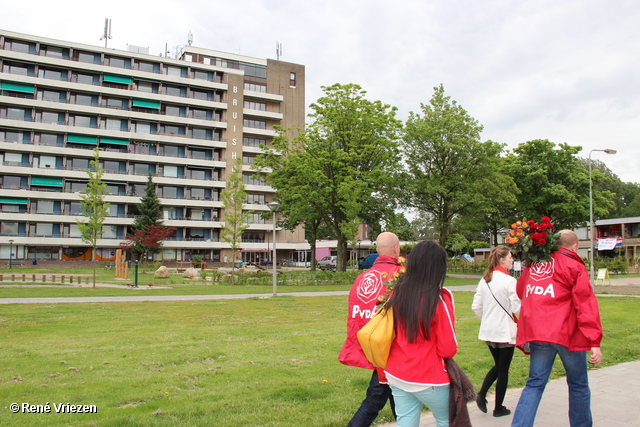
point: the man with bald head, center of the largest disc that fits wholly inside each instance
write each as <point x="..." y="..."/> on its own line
<point x="363" y="298"/>
<point x="559" y="316"/>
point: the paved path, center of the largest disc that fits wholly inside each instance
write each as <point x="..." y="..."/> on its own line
<point x="615" y="401"/>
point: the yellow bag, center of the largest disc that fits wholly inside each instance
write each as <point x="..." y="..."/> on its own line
<point x="376" y="337"/>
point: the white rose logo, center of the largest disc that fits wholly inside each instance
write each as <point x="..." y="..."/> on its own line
<point x="542" y="269"/>
<point x="369" y="286"/>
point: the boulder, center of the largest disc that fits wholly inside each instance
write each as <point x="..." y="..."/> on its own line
<point x="162" y="272"/>
<point x="191" y="273"/>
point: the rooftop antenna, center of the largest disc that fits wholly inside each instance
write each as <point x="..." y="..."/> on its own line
<point x="190" y="38"/>
<point x="278" y="50"/>
<point x="107" y="31"/>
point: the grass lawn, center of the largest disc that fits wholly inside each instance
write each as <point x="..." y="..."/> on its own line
<point x="253" y="362"/>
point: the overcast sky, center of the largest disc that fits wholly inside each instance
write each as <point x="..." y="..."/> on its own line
<point x="567" y="70"/>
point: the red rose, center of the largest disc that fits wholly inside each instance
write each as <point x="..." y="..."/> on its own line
<point x="545" y="219"/>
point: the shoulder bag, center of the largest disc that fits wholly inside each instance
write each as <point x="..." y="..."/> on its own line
<point x="376" y="337"/>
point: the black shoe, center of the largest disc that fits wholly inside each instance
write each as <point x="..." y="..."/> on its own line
<point x="501" y="412"/>
<point x="482" y="403"/>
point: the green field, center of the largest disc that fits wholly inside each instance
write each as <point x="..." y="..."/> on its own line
<point x="252" y="362"/>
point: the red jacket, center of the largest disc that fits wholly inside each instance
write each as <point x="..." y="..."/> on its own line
<point x="363" y="298"/>
<point x="558" y="303"/>
<point x="422" y="362"/>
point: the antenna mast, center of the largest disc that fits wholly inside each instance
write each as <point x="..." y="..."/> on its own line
<point x="107" y="31"/>
<point x="190" y="38"/>
<point x="278" y="50"/>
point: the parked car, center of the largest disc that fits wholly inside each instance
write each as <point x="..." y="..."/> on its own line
<point x="328" y="263"/>
<point x="367" y="261"/>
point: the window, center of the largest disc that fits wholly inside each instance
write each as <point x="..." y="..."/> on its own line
<point x="114" y="61"/>
<point x="169" y="212"/>
<point x="147" y="87"/>
<point x="171" y="151"/>
<point x="170" y="192"/>
<point x="140" y="169"/>
<point x="138" y="190"/>
<point x="251" y="105"/>
<point x="88" y="100"/>
<point x="253" y="70"/>
<point x="255" y="87"/>
<point x="49" y="117"/>
<point x="89" y="58"/>
<point x="248" y="159"/>
<point x="255" y="218"/>
<point x="77" y="164"/>
<point x="173" y="110"/>
<point x="112" y="166"/>
<point x="9" y="228"/>
<point x="115" y="103"/>
<point x="172" y="129"/>
<point x="174" y="91"/>
<point x="19" y="46"/>
<point x="52" y="74"/>
<point x="115" y="189"/>
<point x="82" y="121"/>
<point x="44" y="229"/>
<point x="75" y="187"/>
<point x="48" y="139"/>
<point x="51" y="95"/>
<point x="197" y="133"/>
<point x="196" y="113"/>
<point x="45" y="206"/>
<point x="252" y="180"/>
<point x="200" y="154"/>
<point x="12" y="136"/>
<point x="173" y="71"/>
<point x="257" y="124"/>
<point x="87" y="79"/>
<point x="11" y="181"/>
<point x="13" y="159"/>
<point x="114" y="124"/>
<point x="15" y="114"/>
<point x="54" y="52"/>
<point x="255" y="199"/>
<point x="204" y="95"/>
<point x="202" y="75"/>
<point x="147" y="66"/>
<point x="198" y="174"/>
<point x="292" y="79"/>
<point x="253" y="142"/>
<point x="18" y="69"/>
<point x="171" y="171"/>
<point x="198" y="193"/>
<point x="197" y="214"/>
<point x="141" y="127"/>
<point x="45" y="161"/>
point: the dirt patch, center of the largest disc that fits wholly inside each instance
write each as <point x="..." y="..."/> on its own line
<point x="618" y="290"/>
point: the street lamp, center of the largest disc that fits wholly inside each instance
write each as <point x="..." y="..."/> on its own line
<point x="274" y="207"/>
<point x="358" y="254"/>
<point x="591" y="225"/>
<point x="10" y="251"/>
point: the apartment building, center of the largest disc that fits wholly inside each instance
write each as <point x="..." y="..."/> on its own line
<point x="184" y="120"/>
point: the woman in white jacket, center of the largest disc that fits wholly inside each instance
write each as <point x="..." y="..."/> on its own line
<point x="495" y="304"/>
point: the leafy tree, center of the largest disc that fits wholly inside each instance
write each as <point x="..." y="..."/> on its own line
<point x="94" y="208"/>
<point x="457" y="244"/>
<point x="626" y="194"/>
<point x="399" y="224"/>
<point x="235" y="218"/>
<point x="142" y="240"/>
<point x="554" y="183"/>
<point x="342" y="167"/>
<point x="451" y="173"/>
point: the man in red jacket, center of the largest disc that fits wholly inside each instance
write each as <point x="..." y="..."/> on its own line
<point x="559" y="315"/>
<point x="363" y="298"/>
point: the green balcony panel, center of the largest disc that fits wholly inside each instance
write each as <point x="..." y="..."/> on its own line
<point x="16" y="87"/>
<point x="13" y="201"/>
<point x="80" y="139"/>
<point x="146" y="104"/>
<point x="117" y="79"/>
<point x="46" y="180"/>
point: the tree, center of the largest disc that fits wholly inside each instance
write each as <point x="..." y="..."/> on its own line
<point x="554" y="183"/>
<point x="450" y="172"/>
<point x="457" y="244"/>
<point x="342" y="167"/>
<point x="142" y="238"/>
<point x="94" y="208"/>
<point x="626" y="194"/>
<point x="399" y="224"/>
<point x="235" y="218"/>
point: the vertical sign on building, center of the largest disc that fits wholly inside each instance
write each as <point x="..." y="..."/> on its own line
<point x="234" y="119"/>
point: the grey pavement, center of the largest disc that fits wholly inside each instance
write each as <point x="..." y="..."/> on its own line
<point x="615" y="401"/>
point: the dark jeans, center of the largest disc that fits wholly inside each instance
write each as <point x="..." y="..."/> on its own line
<point x="377" y="396"/>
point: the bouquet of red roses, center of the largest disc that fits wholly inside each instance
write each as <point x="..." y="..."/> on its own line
<point x="533" y="241"/>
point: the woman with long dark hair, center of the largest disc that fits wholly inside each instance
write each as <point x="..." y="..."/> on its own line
<point x="425" y="336"/>
<point x="495" y="304"/>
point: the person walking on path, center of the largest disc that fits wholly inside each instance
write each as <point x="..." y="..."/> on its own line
<point x="425" y="337"/>
<point x="496" y="303"/>
<point x="559" y="315"/>
<point x="363" y="298"/>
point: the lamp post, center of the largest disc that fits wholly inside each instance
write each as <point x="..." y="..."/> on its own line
<point x="274" y="207"/>
<point x="592" y="229"/>
<point x="358" y="254"/>
<point x="10" y="251"/>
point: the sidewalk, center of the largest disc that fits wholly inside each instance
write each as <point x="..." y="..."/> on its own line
<point x="615" y="401"/>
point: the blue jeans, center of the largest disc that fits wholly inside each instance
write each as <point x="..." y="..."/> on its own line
<point x="575" y="364"/>
<point x="409" y="405"/>
<point x="377" y="396"/>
